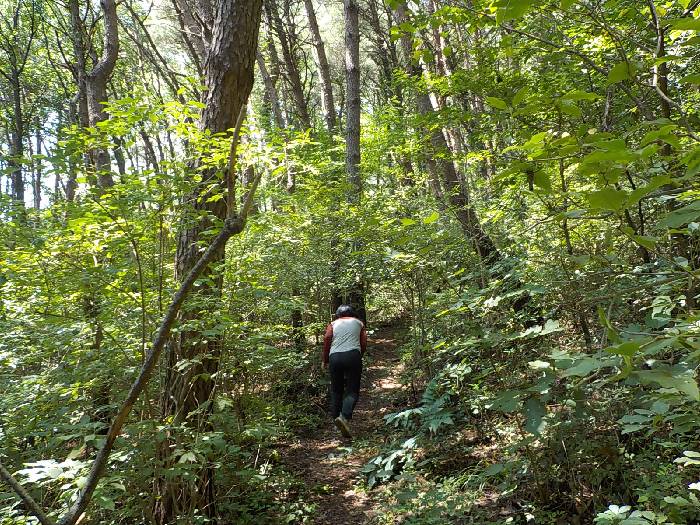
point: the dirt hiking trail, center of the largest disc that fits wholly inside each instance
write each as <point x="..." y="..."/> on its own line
<point x="330" y="464"/>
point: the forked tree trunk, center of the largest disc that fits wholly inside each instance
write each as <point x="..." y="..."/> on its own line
<point x="92" y="85"/>
<point x="188" y="392"/>
<point x="96" y="89"/>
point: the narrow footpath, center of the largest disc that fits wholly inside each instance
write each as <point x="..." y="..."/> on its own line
<point x="329" y="464"/>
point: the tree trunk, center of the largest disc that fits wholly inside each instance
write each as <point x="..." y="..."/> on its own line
<point x="96" y="89"/>
<point x="352" y="88"/>
<point x="229" y="70"/>
<point x="92" y="85"/>
<point x="270" y="92"/>
<point x="291" y="64"/>
<point x="356" y="294"/>
<point x="679" y="241"/>
<point x="17" y="140"/>
<point x="443" y="168"/>
<point x="36" y="186"/>
<point x="323" y="67"/>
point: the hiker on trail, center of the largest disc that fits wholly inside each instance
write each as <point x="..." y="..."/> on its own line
<point x="344" y="345"/>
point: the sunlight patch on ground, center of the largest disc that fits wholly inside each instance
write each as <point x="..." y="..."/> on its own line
<point x="389" y="383"/>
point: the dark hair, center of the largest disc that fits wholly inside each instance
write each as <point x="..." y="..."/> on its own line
<point x="345" y="310"/>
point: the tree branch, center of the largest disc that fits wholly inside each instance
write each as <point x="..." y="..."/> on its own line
<point x="111" y="41"/>
<point x="232" y="226"/>
<point x="31" y="504"/>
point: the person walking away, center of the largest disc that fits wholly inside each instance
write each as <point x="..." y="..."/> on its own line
<point x="344" y="345"/>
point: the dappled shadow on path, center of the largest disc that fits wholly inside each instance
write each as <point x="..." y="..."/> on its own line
<point x="328" y="464"/>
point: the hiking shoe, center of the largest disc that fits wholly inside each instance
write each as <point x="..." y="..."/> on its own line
<point x="343" y="426"/>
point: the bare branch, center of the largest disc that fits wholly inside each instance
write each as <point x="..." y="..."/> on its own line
<point x="31" y="504"/>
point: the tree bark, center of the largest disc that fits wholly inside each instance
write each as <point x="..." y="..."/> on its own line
<point x="291" y="64"/>
<point x="352" y="88"/>
<point x="443" y="168"/>
<point x="92" y="85"/>
<point x="36" y="186"/>
<point x="16" y="42"/>
<point x="356" y="294"/>
<point x="324" y="69"/>
<point x="96" y="89"/>
<point x="17" y="139"/>
<point x="270" y="91"/>
<point x="229" y="67"/>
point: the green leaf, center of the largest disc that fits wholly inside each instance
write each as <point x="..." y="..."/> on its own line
<point x="681" y="216"/>
<point x="507" y="401"/>
<point x="580" y="260"/>
<point x="668" y="378"/>
<point x="607" y="199"/>
<point x="685" y="24"/>
<point x="620" y="72"/>
<point x="667" y="58"/>
<point x="611" y="145"/>
<point x="216" y="197"/>
<point x="534" y="411"/>
<point x="104" y="502"/>
<point x="612" y="333"/>
<point x="654" y="183"/>
<point x="566" y="4"/>
<point x="520" y="96"/>
<point x="610" y="156"/>
<point x="496" y="102"/>
<point x="188" y="457"/>
<point x="406" y="27"/>
<point x="627" y="349"/>
<point x="577" y="94"/>
<point x="512" y="9"/>
<point x="430" y="219"/>
<point x="494" y="469"/>
<point x="407" y="222"/>
<point x="583" y="367"/>
<point x="645" y="240"/>
<point x="570" y="108"/>
<point x="551" y="326"/>
<point x="690" y="457"/>
<point x="691" y="79"/>
<point x="542" y="180"/>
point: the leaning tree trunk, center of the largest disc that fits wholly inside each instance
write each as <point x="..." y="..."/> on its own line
<point x="270" y="92"/>
<point x="442" y="168"/>
<point x="228" y="72"/>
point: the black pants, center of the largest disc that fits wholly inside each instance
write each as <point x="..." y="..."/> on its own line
<point x="345" y="369"/>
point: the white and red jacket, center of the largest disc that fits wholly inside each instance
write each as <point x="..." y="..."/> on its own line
<point x="343" y="335"/>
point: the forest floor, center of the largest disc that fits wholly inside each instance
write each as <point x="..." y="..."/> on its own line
<point x="328" y="464"/>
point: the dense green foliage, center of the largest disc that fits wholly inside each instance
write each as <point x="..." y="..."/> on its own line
<point x="554" y="382"/>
